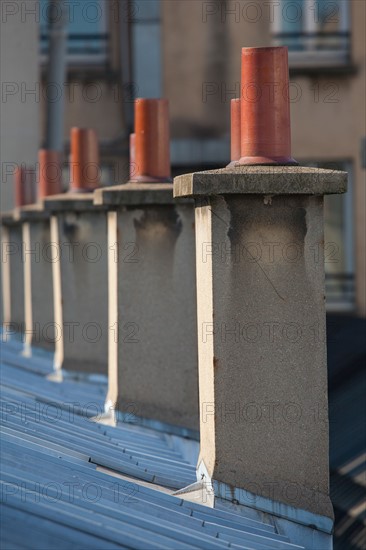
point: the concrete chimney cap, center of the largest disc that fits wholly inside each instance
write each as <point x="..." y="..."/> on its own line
<point x="262" y="180"/>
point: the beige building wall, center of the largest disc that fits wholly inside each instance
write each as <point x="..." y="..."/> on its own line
<point x="201" y="62"/>
<point x="20" y="94"/>
<point x="95" y="97"/>
<point x="200" y="67"/>
<point x="328" y="123"/>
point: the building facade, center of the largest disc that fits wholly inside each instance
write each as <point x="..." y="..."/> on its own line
<point x="189" y="52"/>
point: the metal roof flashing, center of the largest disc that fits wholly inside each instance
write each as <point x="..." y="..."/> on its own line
<point x="122" y="477"/>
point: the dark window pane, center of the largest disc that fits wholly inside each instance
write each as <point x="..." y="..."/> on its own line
<point x="86" y="28"/>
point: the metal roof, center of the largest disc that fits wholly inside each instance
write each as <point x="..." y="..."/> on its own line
<point x="347" y="416"/>
<point x="71" y="483"/>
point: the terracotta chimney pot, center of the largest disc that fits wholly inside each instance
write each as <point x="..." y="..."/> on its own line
<point x="152" y="141"/>
<point x="24" y="184"/>
<point x="50" y="173"/>
<point x="235" y="150"/>
<point x="265" y="107"/>
<point x="84" y="160"/>
<point x="132" y="155"/>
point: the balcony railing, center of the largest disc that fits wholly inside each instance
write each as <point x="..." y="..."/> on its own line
<point x="83" y="47"/>
<point x="340" y="291"/>
<point x="315" y="48"/>
<point x="305" y="41"/>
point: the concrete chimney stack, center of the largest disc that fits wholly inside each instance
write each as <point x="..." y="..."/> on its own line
<point x="261" y="316"/>
<point x="24" y="180"/>
<point x="40" y="329"/>
<point x="80" y="274"/>
<point x="152" y="289"/>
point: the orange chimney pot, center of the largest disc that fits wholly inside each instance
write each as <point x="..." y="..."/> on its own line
<point x="152" y="141"/>
<point x="50" y="173"/>
<point x="235" y="130"/>
<point x="24" y="186"/>
<point x="265" y="107"/>
<point x="84" y="160"/>
<point x="132" y="155"/>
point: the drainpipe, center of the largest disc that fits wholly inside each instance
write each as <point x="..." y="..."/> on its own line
<point x="56" y="78"/>
<point x="125" y="15"/>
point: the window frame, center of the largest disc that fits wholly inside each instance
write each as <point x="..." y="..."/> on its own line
<point x="90" y="59"/>
<point x="146" y="27"/>
<point x="348" y="241"/>
<point x="310" y="56"/>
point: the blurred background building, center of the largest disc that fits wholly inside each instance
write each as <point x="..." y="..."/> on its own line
<point x="189" y="52"/>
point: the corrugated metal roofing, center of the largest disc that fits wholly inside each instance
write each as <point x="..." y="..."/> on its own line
<point x="347" y="415"/>
<point x="57" y="494"/>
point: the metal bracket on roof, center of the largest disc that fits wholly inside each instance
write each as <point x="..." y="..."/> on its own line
<point x="201" y="491"/>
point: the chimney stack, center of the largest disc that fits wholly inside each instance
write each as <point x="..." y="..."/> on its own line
<point x="261" y="315"/>
<point x="152" y="289"/>
<point x="27" y="280"/>
<point x="12" y="276"/>
<point x="13" y="248"/>
<point x="40" y="328"/>
<point x="80" y="274"/>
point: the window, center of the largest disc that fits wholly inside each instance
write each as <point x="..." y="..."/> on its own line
<point x="86" y="27"/>
<point x="315" y="31"/>
<point x="146" y="48"/>
<point x="338" y="243"/>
